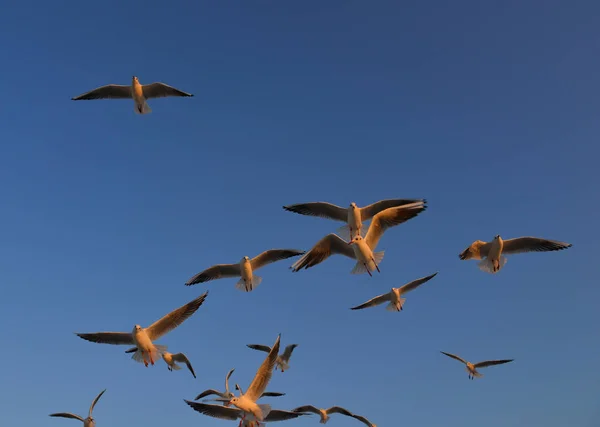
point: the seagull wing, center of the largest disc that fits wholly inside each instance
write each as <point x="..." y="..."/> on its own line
<point x="227" y="380"/>
<point x="390" y="218"/>
<point x="208" y="393"/>
<point x="320" y="209"/>
<point x="364" y="420"/>
<point x="181" y="358"/>
<point x="215" y="411"/>
<point x="339" y="410"/>
<point x="454" y="357"/>
<point x="259" y="347"/>
<point x="477" y="250"/>
<point x="117" y="338"/>
<point x="272" y="394"/>
<point x="174" y="318"/>
<point x="380" y="299"/>
<point x="131" y="350"/>
<point x="328" y="245"/>
<point x="416" y="283"/>
<point x="95" y="401"/>
<point x="491" y="363"/>
<point x="218" y="271"/>
<point x="161" y="90"/>
<point x="67" y="415"/>
<point x="287" y="353"/>
<point x="307" y="408"/>
<point x="370" y="211"/>
<point x="264" y="373"/>
<point x="106" y="92"/>
<point x="279" y="415"/>
<point x="267" y="257"/>
<point x="532" y="244"/>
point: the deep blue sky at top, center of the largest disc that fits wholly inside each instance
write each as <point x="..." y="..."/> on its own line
<point x="488" y="109"/>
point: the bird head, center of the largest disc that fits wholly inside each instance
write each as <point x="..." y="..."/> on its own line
<point x="497" y="236"/>
<point x="137" y="328"/>
<point x="353" y="205"/>
<point x="355" y="240"/>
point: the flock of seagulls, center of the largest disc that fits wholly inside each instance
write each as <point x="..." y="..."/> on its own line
<point x="355" y="240"/>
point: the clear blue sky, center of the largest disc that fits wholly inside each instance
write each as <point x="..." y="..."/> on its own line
<point x="489" y="110"/>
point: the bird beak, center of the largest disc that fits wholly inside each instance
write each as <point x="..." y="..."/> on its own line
<point x="351" y="242"/>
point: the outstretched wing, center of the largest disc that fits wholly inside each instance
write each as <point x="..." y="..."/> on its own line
<point x="267" y="257"/>
<point x="218" y="271"/>
<point x="67" y="415"/>
<point x="339" y="410"/>
<point x="364" y="420"/>
<point x="209" y="392"/>
<point x="491" y="363"/>
<point x="416" y="283"/>
<point x="287" y="353"/>
<point x="264" y="373"/>
<point x="181" y="358"/>
<point x="272" y="394"/>
<point x="307" y="408"/>
<point x="368" y="212"/>
<point x="390" y="218"/>
<point x="532" y="244"/>
<point x="454" y="357"/>
<point x="116" y="338"/>
<point x="320" y="209"/>
<point x="161" y="90"/>
<point x="174" y="318"/>
<point x="259" y="347"/>
<point x="327" y="246"/>
<point x="279" y="415"/>
<point x="94" y="402"/>
<point x="215" y="411"/>
<point x="380" y="299"/>
<point x="106" y="92"/>
<point x="227" y="380"/>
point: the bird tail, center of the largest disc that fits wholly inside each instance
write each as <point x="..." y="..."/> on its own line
<point x="142" y="108"/>
<point x="175" y="367"/>
<point x="488" y="266"/>
<point x="393" y="307"/>
<point x="477" y="374"/>
<point x="241" y="285"/>
<point x="157" y="352"/>
<point x="264" y="410"/>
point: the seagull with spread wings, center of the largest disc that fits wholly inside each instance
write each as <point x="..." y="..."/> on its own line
<point x="283" y="359"/>
<point x="143" y="338"/>
<point x="492" y="253"/>
<point x="247" y="401"/>
<point x="324" y="413"/>
<point x="361" y="249"/>
<point x="228" y="394"/>
<point x="352" y="215"/>
<point x="136" y="91"/>
<point x="472" y="367"/>
<point x="245" y="268"/>
<point x="87" y="422"/>
<point x="394" y="297"/>
<point x="246" y="419"/>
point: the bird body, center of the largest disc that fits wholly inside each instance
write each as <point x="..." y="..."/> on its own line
<point x="149" y="351"/>
<point x="172" y="359"/>
<point x="366" y="260"/>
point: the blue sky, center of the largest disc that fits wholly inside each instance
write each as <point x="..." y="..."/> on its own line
<point x="489" y="110"/>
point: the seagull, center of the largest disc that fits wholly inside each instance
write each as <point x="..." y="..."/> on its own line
<point x="136" y="91"/>
<point x="472" y="367"/>
<point x="283" y="360"/>
<point x="361" y="249"/>
<point x="228" y="395"/>
<point x="245" y="269"/>
<point x="492" y="251"/>
<point x="87" y="422"/>
<point x="143" y="337"/>
<point x="352" y="215"/>
<point x="222" y="412"/>
<point x="170" y="359"/>
<point x="324" y="413"/>
<point x="247" y="402"/>
<point x="395" y="295"/>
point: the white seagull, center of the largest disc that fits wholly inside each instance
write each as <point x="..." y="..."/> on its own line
<point x="361" y="249"/>
<point x="493" y="251"/>
<point x="395" y="295"/>
<point x="324" y="413"/>
<point x="87" y="422"/>
<point x="143" y="338"/>
<point x="283" y="359"/>
<point x="472" y="367"/>
<point x="247" y="419"/>
<point x="247" y="401"/>
<point x="245" y="268"/>
<point x="228" y="394"/>
<point x="171" y="359"/>
<point x="352" y="215"/>
<point x="136" y="91"/>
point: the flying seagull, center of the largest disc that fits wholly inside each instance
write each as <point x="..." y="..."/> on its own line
<point x="247" y="419"/>
<point x="283" y="360"/>
<point x="361" y="249"/>
<point x="228" y="395"/>
<point x="143" y="338"/>
<point x="245" y="269"/>
<point x="395" y="295"/>
<point x="493" y="251"/>
<point x="87" y="422"/>
<point x="136" y="91"/>
<point x="352" y="215"/>
<point x="324" y="413"/>
<point x="472" y="367"/>
<point x="247" y="401"/>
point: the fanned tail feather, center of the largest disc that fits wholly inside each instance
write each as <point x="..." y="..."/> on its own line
<point x="157" y="352"/>
<point x="488" y="266"/>
<point x="144" y="107"/>
<point x="359" y="268"/>
<point x="241" y="284"/>
<point x="393" y="307"/>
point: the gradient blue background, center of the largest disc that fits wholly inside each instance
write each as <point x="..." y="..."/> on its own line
<point x="489" y="110"/>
